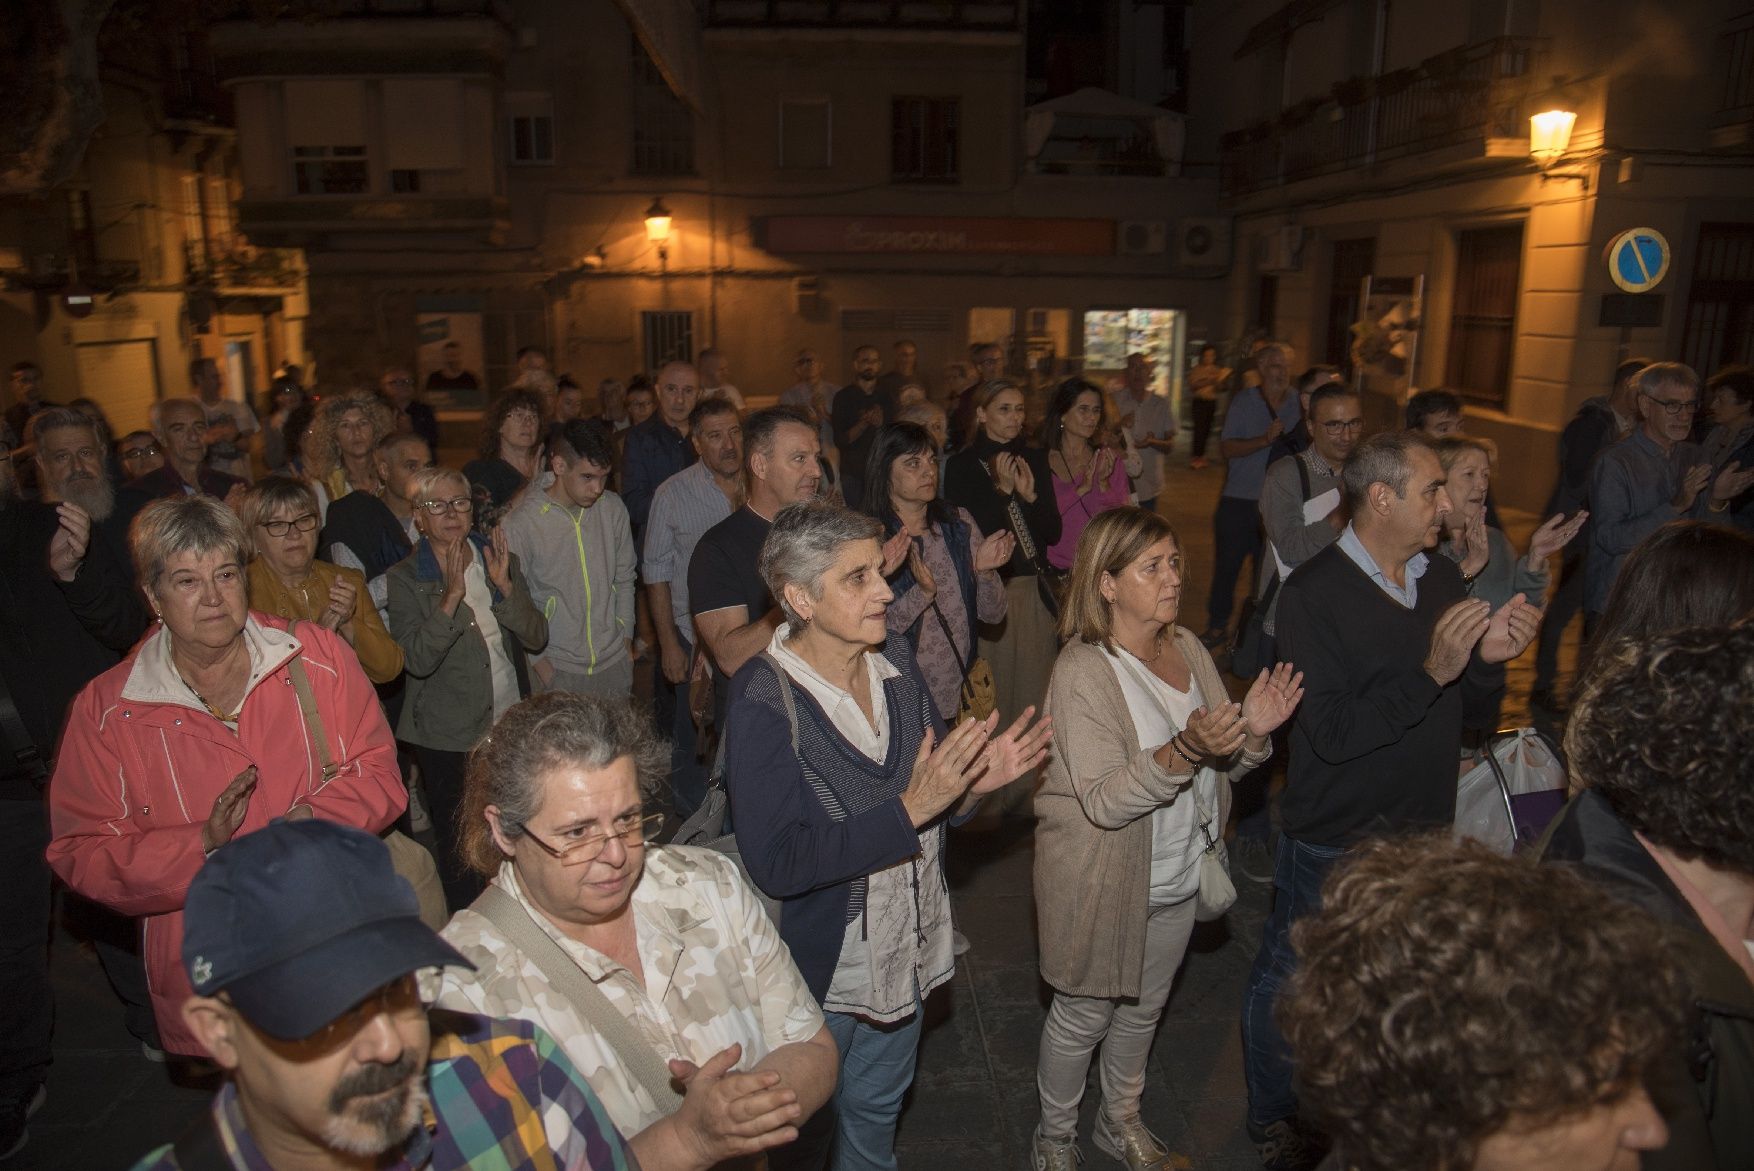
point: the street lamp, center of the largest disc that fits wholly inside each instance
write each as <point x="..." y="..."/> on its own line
<point x="658" y="226"/>
<point x="1549" y="135"/>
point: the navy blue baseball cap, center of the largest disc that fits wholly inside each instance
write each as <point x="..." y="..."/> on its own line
<point x="300" y="921"/>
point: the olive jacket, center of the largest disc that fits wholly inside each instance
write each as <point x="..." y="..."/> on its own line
<point x="449" y="702"/>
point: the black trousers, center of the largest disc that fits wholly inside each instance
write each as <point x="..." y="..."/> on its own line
<point x="441" y="773"/>
<point x="27" y="1004"/>
<point x="1204" y="411"/>
<point x="1236" y="538"/>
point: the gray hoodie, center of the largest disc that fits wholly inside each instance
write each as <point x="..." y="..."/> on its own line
<point x="580" y="566"/>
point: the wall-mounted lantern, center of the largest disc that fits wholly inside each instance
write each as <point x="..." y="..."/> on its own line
<point x="658" y="227"/>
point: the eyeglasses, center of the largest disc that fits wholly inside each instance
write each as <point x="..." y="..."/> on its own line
<point x="279" y="528"/>
<point x="139" y="452"/>
<point x="1336" y="426"/>
<point x="1676" y="406"/>
<point x="454" y="504"/>
<point x="587" y="848"/>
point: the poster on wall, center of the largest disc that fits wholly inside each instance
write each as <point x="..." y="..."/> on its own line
<point x="1385" y="343"/>
<point x="451" y="353"/>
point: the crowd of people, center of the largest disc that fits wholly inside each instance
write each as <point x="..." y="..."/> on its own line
<point x="348" y="769"/>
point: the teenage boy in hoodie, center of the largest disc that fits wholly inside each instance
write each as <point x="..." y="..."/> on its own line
<point x="573" y="538"/>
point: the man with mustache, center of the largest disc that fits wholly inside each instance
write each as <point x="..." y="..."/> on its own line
<point x="303" y="946"/>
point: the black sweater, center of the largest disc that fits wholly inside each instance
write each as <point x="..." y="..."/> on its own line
<point x="967" y="485"/>
<point x="1375" y="742"/>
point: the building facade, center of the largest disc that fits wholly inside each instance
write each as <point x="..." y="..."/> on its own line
<point x="115" y="280"/>
<point x="835" y="175"/>
<point x="1393" y="142"/>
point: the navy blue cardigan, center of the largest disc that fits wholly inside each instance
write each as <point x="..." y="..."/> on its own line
<point x="793" y="849"/>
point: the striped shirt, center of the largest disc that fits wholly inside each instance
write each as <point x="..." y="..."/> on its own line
<point x="502" y="1095"/>
<point x="684" y="506"/>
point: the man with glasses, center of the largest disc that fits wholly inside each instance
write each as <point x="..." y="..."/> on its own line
<point x="138" y="453"/>
<point x="1653" y="476"/>
<point x="412" y="416"/>
<point x="180" y="426"/>
<point x="302" y="945"/>
<point x="557" y="814"/>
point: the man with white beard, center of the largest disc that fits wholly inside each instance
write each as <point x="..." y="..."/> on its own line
<point x="81" y="516"/>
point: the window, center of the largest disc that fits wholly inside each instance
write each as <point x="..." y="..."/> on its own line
<point x="806" y="134"/>
<point x="219" y="222"/>
<point x="1720" y="301"/>
<point x="666" y="336"/>
<point x="531" y="121"/>
<point x="924" y="146"/>
<point x="404" y="181"/>
<point x="663" y="127"/>
<point x="330" y="170"/>
<point x="1482" y="329"/>
<point x="1352" y="262"/>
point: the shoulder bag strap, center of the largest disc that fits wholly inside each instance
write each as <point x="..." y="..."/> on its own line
<point x="786" y="700"/>
<point x="1303" y="475"/>
<point x="568" y="979"/>
<point x="307" y="707"/>
<point x="965" y="665"/>
<point x="200" y="1148"/>
<point x="1019" y="524"/>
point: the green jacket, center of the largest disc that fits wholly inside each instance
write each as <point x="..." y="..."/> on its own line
<point x="449" y="701"/>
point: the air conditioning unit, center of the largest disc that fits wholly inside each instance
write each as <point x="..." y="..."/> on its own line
<point x="1203" y="242"/>
<point x="1280" y="250"/>
<point x="1142" y="237"/>
<point x="806" y="295"/>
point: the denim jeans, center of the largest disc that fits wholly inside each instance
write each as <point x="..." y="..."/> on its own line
<point x="1298" y="872"/>
<point x="876" y="1068"/>
<point x="1236" y="538"/>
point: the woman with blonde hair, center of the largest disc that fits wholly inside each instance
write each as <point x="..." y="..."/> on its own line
<point x="1146" y="742"/>
<point x="338" y="453"/>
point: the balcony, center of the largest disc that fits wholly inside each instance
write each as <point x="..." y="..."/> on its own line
<point x="298" y="223"/>
<point x="948" y="15"/>
<point x="1460" y="98"/>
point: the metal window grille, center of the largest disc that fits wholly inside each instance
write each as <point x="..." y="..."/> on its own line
<point x="1720" y="301"/>
<point x="330" y="170"/>
<point x="663" y="127"/>
<point x="1482" y="330"/>
<point x="925" y="144"/>
<point x="666" y="335"/>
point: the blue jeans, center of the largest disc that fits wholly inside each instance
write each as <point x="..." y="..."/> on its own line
<point x="1298" y="873"/>
<point x="876" y="1068"/>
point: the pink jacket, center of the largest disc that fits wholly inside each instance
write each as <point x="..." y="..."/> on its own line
<point x="142" y="761"/>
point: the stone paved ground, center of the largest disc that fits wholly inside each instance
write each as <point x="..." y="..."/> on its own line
<point x="973" y="1106"/>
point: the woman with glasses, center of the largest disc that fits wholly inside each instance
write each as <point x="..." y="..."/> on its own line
<point x="558" y="815"/>
<point x="286" y="579"/>
<point x="462" y="613"/>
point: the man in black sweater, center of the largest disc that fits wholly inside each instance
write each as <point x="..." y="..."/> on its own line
<point x="860" y="409"/>
<point x="1381" y="632"/>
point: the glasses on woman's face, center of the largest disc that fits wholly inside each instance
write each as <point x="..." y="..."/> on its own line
<point x="454" y="504"/>
<point x="584" y="845"/>
<point x="279" y="528"/>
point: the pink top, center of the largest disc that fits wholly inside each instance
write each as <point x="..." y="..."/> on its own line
<point x="1076" y="511"/>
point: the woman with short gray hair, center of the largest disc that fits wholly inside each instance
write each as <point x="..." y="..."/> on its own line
<point x="842" y="777"/>
<point x="200" y="735"/>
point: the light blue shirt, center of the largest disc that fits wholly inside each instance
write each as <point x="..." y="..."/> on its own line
<point x="1415" y="569"/>
<point x="684" y="506"/>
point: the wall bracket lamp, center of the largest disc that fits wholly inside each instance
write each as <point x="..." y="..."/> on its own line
<point x="658" y="227"/>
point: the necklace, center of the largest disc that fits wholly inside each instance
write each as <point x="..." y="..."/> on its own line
<point x="1158" y="640"/>
<point x="216" y="713"/>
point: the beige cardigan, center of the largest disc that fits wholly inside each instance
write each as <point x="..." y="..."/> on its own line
<point x="1093" y="839"/>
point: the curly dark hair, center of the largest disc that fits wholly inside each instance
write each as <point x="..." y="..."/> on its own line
<point x="541" y="733"/>
<point x="1686" y="573"/>
<point x="513" y="398"/>
<point x="1444" y="992"/>
<point x="1662" y="731"/>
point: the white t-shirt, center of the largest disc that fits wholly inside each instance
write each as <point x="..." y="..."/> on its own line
<point x="479" y="598"/>
<point x="1151" y="420"/>
<point x="1159" y="711"/>
<point x="727" y="392"/>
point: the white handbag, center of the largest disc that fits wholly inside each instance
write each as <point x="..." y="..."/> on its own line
<point x="1217" y="891"/>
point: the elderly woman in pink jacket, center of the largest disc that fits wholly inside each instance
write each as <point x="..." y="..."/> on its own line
<point x="200" y="734"/>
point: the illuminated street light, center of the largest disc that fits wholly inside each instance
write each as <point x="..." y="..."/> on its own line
<point x="1549" y="135"/>
<point x="658" y="227"/>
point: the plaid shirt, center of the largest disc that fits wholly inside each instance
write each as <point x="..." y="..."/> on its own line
<point x="503" y="1097"/>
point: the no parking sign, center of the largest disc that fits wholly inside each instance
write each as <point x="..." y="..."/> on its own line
<point x="1638" y="259"/>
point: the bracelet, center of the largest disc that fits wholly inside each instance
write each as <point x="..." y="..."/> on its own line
<point x="1718" y="506"/>
<point x="1175" y="744"/>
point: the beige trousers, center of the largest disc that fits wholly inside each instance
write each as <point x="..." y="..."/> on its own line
<point x="1076" y="1025"/>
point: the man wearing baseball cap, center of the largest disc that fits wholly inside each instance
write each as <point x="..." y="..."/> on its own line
<point x="304" y="947"/>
